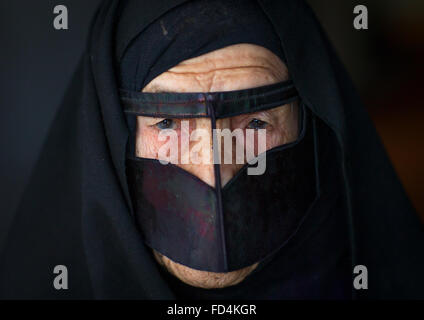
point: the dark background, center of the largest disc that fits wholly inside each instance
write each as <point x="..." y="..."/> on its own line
<point x="37" y="62"/>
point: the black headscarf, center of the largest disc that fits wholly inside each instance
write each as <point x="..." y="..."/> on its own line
<point x="187" y="31"/>
<point x="77" y="209"/>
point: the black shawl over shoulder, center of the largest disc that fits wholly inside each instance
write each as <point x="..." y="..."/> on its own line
<point x="77" y="210"/>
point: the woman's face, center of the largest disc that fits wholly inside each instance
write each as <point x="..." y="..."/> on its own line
<point x="235" y="67"/>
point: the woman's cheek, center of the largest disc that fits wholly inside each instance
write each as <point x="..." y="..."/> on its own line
<point x="274" y="139"/>
<point x="148" y="144"/>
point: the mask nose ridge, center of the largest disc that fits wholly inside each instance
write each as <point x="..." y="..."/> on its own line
<point x="227" y="151"/>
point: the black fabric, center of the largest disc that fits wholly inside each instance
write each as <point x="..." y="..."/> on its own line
<point x="189" y="31"/>
<point x="77" y="210"/>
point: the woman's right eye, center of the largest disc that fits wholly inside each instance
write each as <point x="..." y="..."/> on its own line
<point x="166" y="124"/>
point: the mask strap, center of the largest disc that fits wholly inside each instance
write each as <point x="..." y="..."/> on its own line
<point x="218" y="184"/>
<point x="132" y="129"/>
<point x="195" y="105"/>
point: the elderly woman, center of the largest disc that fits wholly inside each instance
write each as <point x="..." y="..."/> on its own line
<point x="140" y="194"/>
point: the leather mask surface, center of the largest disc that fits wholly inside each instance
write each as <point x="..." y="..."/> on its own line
<point x="229" y="228"/>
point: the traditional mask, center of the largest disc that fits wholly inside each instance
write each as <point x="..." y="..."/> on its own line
<point x="222" y="229"/>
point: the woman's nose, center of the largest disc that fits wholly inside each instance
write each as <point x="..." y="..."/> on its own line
<point x="224" y="152"/>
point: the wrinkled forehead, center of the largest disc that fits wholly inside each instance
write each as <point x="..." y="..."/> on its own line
<point x="234" y="67"/>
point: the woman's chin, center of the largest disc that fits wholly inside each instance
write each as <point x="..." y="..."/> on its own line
<point x="203" y="279"/>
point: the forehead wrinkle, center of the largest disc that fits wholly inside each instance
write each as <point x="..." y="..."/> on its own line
<point x="235" y="55"/>
<point x="207" y="81"/>
<point x="219" y="69"/>
<point x="231" y="68"/>
<point x="231" y="63"/>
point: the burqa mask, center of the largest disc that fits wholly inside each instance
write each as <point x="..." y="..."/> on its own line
<point x="226" y="228"/>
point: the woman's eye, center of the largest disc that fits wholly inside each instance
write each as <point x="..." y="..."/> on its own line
<point x="165" y="124"/>
<point x="257" y="124"/>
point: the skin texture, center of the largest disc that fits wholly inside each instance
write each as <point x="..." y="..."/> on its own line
<point x="235" y="67"/>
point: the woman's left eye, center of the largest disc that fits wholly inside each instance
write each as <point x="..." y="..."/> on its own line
<point x="257" y="124"/>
